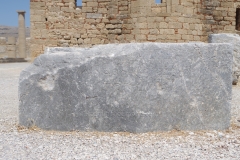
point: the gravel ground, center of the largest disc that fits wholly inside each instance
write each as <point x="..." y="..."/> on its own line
<point x="21" y="143"/>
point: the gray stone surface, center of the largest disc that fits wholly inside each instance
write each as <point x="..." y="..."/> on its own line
<point x="233" y="39"/>
<point x="129" y="87"/>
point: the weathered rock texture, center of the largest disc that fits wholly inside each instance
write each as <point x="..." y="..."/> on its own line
<point x="233" y="39"/>
<point x="62" y="23"/>
<point x="129" y="87"/>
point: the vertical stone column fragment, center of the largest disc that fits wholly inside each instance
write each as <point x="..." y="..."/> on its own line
<point x="21" y="34"/>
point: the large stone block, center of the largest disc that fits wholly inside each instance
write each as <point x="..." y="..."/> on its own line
<point x="233" y="39"/>
<point x="129" y="87"/>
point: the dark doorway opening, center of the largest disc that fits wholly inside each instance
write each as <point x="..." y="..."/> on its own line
<point x="238" y="19"/>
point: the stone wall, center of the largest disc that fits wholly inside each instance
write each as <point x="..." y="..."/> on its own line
<point x="9" y="47"/>
<point x="3" y="47"/>
<point x="62" y="23"/>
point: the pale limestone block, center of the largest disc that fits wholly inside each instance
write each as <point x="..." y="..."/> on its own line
<point x="152" y="25"/>
<point x="92" y="4"/>
<point x="185" y="37"/>
<point x="94" y="15"/>
<point x="60" y="4"/>
<point x="154" y="31"/>
<point x="128" y="26"/>
<point x="175" y="25"/>
<point x="141" y="25"/>
<point x="189" y="11"/>
<point x="182" y="31"/>
<point x="80" y="41"/>
<point x="195" y="32"/>
<point x="37" y="18"/>
<point x="181" y="19"/>
<point x="229" y="18"/>
<point x="200" y="32"/>
<point x="196" y="38"/>
<point x="232" y="14"/>
<point x="159" y="19"/>
<point x="175" y="36"/>
<point x="68" y="37"/>
<point x="87" y="26"/>
<point x="123" y="8"/>
<point x="102" y="10"/>
<point x="115" y="31"/>
<point x="100" y="25"/>
<point x="163" y="25"/>
<point x="152" y="37"/>
<point x="167" y="31"/>
<point x="110" y="26"/>
<point x="89" y="21"/>
<point x="74" y="41"/>
<point x="151" y="19"/>
<point x="141" y="37"/>
<point x="96" y="41"/>
<point x="145" y="31"/>
<point x="192" y="26"/>
<point x="175" y="2"/>
<point x="156" y="10"/>
<point x="11" y="41"/>
<point x="87" y="41"/>
<point x="227" y="4"/>
<point x="87" y="9"/>
<point x="141" y="19"/>
<point x="92" y="35"/>
<point x="11" y="47"/>
<point x="229" y="27"/>
<point x="2" y="49"/>
<point x="2" y="40"/>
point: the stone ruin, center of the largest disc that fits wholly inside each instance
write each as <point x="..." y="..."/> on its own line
<point x="138" y="87"/>
<point x="61" y="23"/>
<point x="12" y="49"/>
<point x="9" y="49"/>
<point x="133" y="87"/>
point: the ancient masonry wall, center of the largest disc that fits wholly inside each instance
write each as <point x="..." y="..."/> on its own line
<point x="62" y="23"/>
<point x="9" y="47"/>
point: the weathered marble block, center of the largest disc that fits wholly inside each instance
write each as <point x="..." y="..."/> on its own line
<point x="233" y="39"/>
<point x="129" y="87"/>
